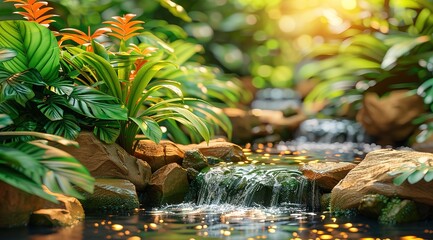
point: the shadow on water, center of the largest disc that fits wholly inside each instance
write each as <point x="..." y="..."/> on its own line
<point x="262" y="198"/>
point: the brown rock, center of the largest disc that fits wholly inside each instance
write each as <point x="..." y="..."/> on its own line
<point x="16" y="206"/>
<point x="242" y="121"/>
<point x="109" y="160"/>
<point x="159" y="155"/>
<point x="52" y="218"/>
<point x="71" y="204"/>
<point x="390" y="118"/>
<point x="218" y="148"/>
<point x="168" y="185"/>
<point x="371" y="177"/>
<point x="326" y="174"/>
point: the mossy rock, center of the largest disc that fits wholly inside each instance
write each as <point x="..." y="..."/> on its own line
<point x="111" y="196"/>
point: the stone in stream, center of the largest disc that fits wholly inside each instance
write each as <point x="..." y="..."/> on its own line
<point x="159" y="154"/>
<point x="54" y="217"/>
<point x="109" y="160"/>
<point x="168" y="185"/>
<point x="111" y="196"/>
<point x="371" y="176"/>
<point x="194" y="159"/>
<point x="218" y="148"/>
<point x="326" y="174"/>
<point x="68" y="211"/>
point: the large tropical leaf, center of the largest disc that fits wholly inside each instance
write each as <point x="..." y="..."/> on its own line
<point x="35" y="45"/>
<point x="6" y="54"/>
<point x="93" y="103"/>
<point x="5" y="120"/>
<point x="107" y="131"/>
<point x="66" y="127"/>
<point x="52" y="107"/>
<point x="18" y="86"/>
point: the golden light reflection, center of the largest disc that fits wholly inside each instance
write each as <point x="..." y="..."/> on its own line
<point x="117" y="227"/>
<point x="331" y="225"/>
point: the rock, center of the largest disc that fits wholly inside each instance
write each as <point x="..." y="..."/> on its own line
<point x="16" y="206"/>
<point x="371" y="205"/>
<point x="71" y="204"/>
<point x="111" y="195"/>
<point x="326" y="174"/>
<point x="192" y="174"/>
<point x="274" y="122"/>
<point x="109" y="160"/>
<point x="218" y="148"/>
<point x="194" y="159"/>
<point x="52" y="218"/>
<point x="371" y="176"/>
<point x="168" y="185"/>
<point x="159" y="155"/>
<point x="243" y="122"/>
<point x="389" y="118"/>
<point x="399" y="211"/>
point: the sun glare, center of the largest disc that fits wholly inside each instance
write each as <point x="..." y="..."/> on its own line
<point x="348" y="4"/>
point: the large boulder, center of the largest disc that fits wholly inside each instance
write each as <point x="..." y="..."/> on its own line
<point x="194" y="159"/>
<point x="326" y="174"/>
<point x="16" y="206"/>
<point x="218" y="148"/>
<point x="168" y="185"/>
<point x="109" y="160"/>
<point x="371" y="176"/>
<point x="389" y="118"/>
<point x="55" y="217"/>
<point x="111" y="196"/>
<point x="160" y="154"/>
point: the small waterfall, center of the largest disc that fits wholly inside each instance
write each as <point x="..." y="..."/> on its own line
<point x="269" y="186"/>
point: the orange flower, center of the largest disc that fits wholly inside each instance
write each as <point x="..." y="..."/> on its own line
<point x="35" y="11"/>
<point x="81" y="38"/>
<point x="123" y="28"/>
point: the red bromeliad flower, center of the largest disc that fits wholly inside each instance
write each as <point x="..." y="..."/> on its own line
<point x="81" y="38"/>
<point x="123" y="28"/>
<point x="34" y="11"/>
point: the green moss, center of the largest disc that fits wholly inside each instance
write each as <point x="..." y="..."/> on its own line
<point x="399" y="211"/>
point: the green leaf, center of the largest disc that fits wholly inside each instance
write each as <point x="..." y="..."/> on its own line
<point x="175" y="9"/>
<point x="149" y="127"/>
<point x="12" y="88"/>
<point x="35" y="45"/>
<point x="51" y="108"/>
<point x="416" y="176"/>
<point x="5" y="120"/>
<point x="100" y="50"/>
<point x="400" y="179"/>
<point x="404" y="46"/>
<point x="66" y="127"/>
<point x="46" y="136"/>
<point x="107" y="131"/>
<point x="95" y="104"/>
<point x="7" y="54"/>
<point x="429" y="175"/>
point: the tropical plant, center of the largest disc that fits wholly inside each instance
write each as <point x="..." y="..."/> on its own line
<point x="129" y="72"/>
<point x="38" y="94"/>
<point x="27" y="165"/>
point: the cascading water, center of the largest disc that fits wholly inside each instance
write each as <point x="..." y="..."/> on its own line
<point x="269" y="186"/>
